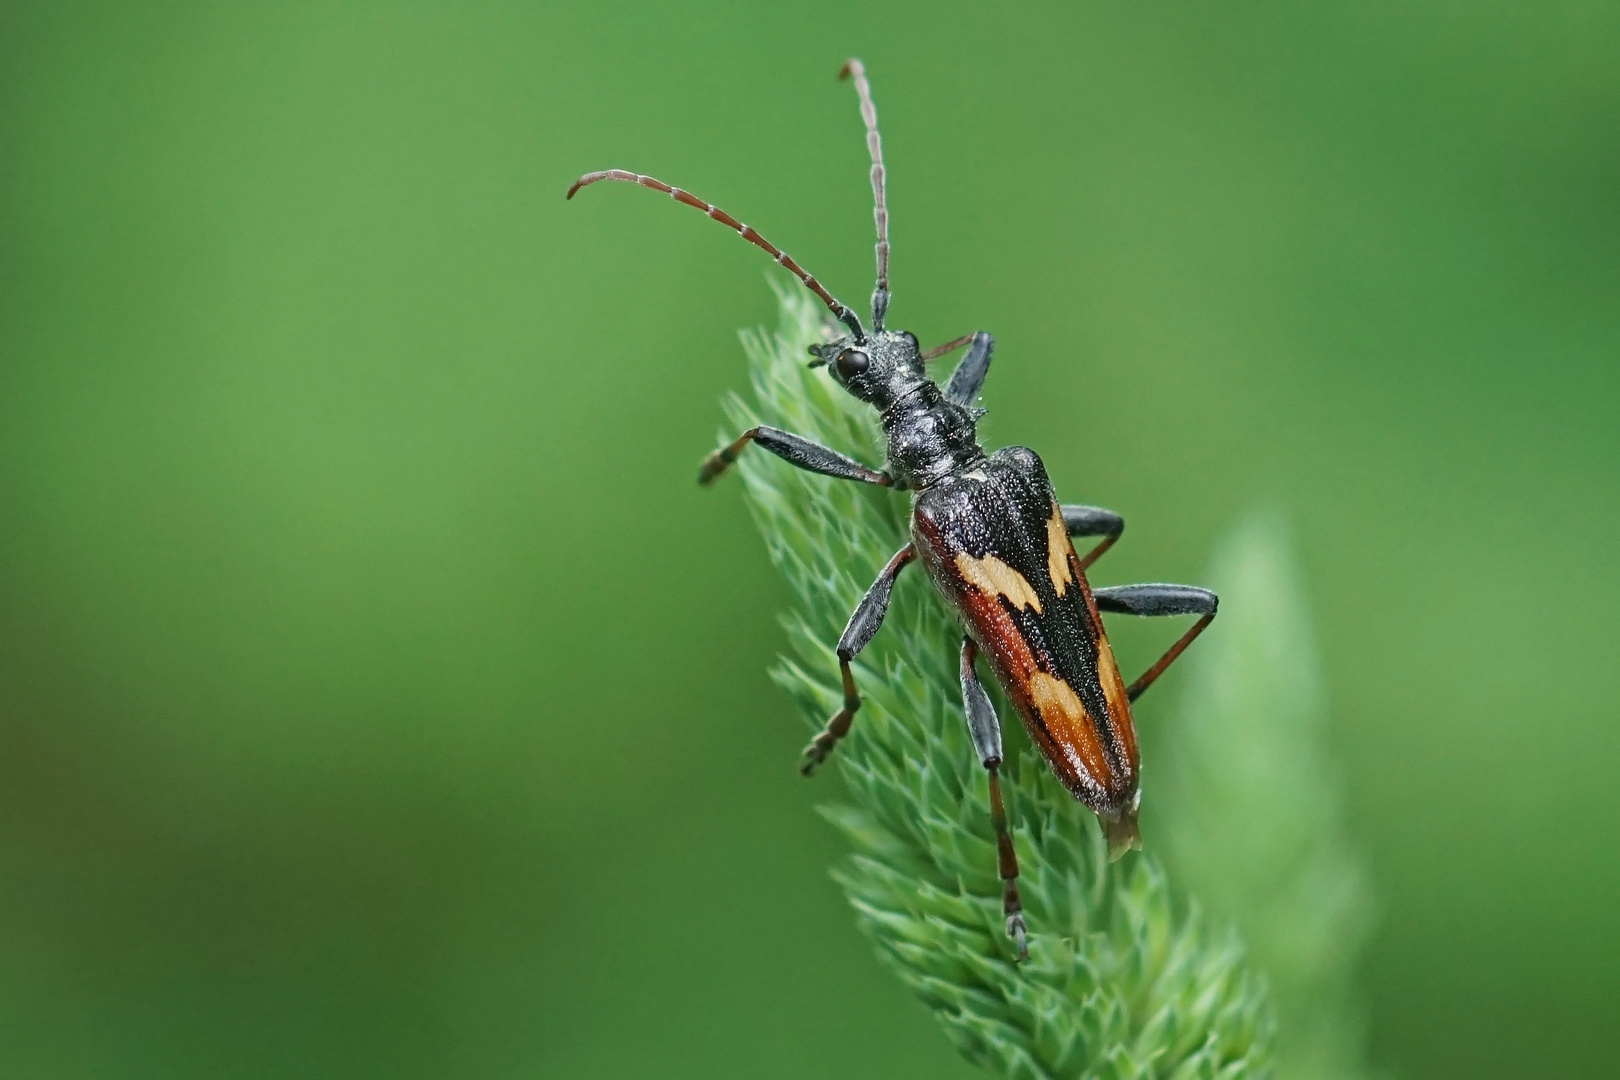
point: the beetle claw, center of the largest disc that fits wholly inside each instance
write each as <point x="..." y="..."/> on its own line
<point x="1020" y="935"/>
<point x="814" y="755"/>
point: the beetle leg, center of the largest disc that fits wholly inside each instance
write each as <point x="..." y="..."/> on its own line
<point x="1093" y="521"/>
<point x="795" y="451"/>
<point x="985" y="731"/>
<point x="868" y="616"/>
<point x="1151" y="600"/>
<point x="968" y="378"/>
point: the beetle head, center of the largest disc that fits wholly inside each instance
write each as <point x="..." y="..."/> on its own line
<point x="880" y="369"/>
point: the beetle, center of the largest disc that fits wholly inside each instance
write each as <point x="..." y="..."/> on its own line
<point x="992" y="536"/>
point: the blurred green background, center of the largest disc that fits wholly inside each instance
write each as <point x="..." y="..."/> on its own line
<point x="380" y="697"/>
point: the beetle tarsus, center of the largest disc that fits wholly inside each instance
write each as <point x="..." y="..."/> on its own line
<point x="1020" y="935"/>
<point x="814" y="754"/>
<point x="821" y="747"/>
<point x="1006" y="858"/>
<point x="713" y="465"/>
<point x="1013" y="908"/>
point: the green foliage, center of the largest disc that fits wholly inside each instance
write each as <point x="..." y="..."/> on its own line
<point x="1247" y="811"/>
<point x="1119" y="983"/>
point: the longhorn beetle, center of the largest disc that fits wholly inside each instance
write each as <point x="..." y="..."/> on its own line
<point x="993" y="538"/>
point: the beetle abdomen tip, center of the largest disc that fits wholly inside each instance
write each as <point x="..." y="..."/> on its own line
<point x="1122" y="833"/>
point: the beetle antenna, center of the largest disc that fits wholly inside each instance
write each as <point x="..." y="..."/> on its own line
<point x="880" y="206"/>
<point x="950" y="346"/>
<point x="783" y="259"/>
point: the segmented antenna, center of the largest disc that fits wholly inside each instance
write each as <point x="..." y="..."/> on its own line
<point x="880" y="208"/>
<point x="950" y="346"/>
<point x="783" y="259"/>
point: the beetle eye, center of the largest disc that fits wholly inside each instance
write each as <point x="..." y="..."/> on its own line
<point x="851" y="362"/>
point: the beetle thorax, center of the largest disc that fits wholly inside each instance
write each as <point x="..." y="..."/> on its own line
<point x="929" y="437"/>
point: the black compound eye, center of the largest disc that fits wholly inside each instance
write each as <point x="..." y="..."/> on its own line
<point x="851" y="362"/>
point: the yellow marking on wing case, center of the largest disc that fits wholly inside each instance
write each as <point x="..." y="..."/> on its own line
<point x="1057" y="551"/>
<point x="1072" y="730"/>
<point x="1055" y="698"/>
<point x="992" y="576"/>
<point x="1113" y="686"/>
